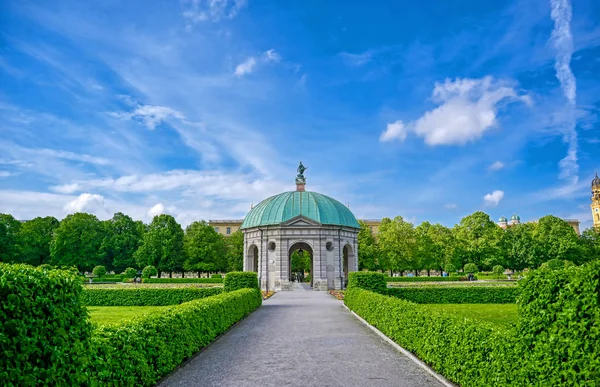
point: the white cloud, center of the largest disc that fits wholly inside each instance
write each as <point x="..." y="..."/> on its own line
<point x="158" y="209"/>
<point x="356" y="60"/>
<point x="272" y="56"/>
<point x="245" y="67"/>
<point x="5" y="174"/>
<point x="562" y="41"/>
<point x="450" y="206"/>
<point x="213" y="10"/>
<point x="395" y="130"/>
<point x="66" y="188"/>
<point x="492" y="199"/>
<point x="496" y="166"/>
<point x="150" y="115"/>
<point x="86" y="202"/>
<point x="467" y="109"/>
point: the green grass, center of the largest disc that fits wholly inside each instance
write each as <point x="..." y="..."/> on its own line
<point x="500" y="314"/>
<point x="451" y="284"/>
<point x="152" y="286"/>
<point x="113" y="314"/>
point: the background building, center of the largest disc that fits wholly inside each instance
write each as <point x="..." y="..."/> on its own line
<point x="516" y="219"/>
<point x="596" y="201"/>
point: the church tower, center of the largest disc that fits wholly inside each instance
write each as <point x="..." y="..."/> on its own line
<point x="596" y="201"/>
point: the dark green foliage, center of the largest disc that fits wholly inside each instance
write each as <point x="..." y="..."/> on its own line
<point x="367" y="280"/>
<point x="9" y="238"/>
<point x="149" y="271"/>
<point x="205" y="248"/>
<point x="77" y="241"/>
<point x="367" y="248"/>
<point x="457" y="295"/>
<point x="35" y="236"/>
<point x="145" y="296"/>
<point x="162" y="245"/>
<point x="216" y="276"/>
<point x="99" y="271"/>
<point x="141" y="351"/>
<point x="471" y="268"/>
<point x="556" y="239"/>
<point x="240" y="280"/>
<point x="123" y="238"/>
<point x="560" y="325"/>
<point x="424" y="279"/>
<point x="468" y="352"/>
<point x="553" y="264"/>
<point x="498" y="270"/>
<point x="130" y="272"/>
<point x="182" y="280"/>
<point x="44" y="330"/>
<point x="235" y="251"/>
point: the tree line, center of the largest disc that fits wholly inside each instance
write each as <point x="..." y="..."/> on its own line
<point x="401" y="247"/>
<point x="83" y="241"/>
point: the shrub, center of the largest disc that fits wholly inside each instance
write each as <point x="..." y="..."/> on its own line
<point x="553" y="264"/>
<point x="99" y="271"/>
<point x="44" y="330"/>
<point x="141" y="351"/>
<point x="145" y="296"/>
<point x="216" y="276"/>
<point x="457" y="295"/>
<point x="130" y="272"/>
<point x="149" y="271"/>
<point x="468" y="352"/>
<point x="367" y="280"/>
<point x="423" y="279"/>
<point x="450" y="268"/>
<point x="183" y="280"/>
<point x="471" y="268"/>
<point x="498" y="270"/>
<point x="240" y="280"/>
<point x="560" y="325"/>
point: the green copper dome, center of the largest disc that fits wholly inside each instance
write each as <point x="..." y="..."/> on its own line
<point x="288" y="205"/>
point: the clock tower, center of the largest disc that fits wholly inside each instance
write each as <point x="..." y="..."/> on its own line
<point x="596" y="201"/>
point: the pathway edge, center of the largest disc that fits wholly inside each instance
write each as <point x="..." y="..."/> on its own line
<point x="406" y="353"/>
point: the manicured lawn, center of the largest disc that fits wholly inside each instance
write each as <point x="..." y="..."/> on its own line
<point x="500" y="314"/>
<point x="152" y="286"/>
<point x="451" y="284"/>
<point x="113" y="314"/>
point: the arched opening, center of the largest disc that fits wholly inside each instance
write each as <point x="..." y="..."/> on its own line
<point x="300" y="263"/>
<point x="253" y="259"/>
<point x="348" y="263"/>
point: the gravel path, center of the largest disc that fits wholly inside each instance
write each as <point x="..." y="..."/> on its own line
<point x="300" y="338"/>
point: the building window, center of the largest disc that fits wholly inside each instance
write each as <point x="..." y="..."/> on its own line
<point x="228" y="230"/>
<point x="216" y="229"/>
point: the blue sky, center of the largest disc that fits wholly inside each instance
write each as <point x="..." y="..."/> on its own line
<point x="199" y="108"/>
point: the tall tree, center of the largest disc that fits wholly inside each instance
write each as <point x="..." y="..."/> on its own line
<point x="123" y="238"/>
<point x="9" y="238"/>
<point x="556" y="239"/>
<point x="235" y="251"/>
<point x="205" y="248"/>
<point x="35" y="236"/>
<point x="436" y="246"/>
<point x="479" y="240"/>
<point x="367" y="248"/>
<point x="519" y="246"/>
<point x="77" y="242"/>
<point x="162" y="245"/>
<point x="397" y="244"/>
<point x="590" y="240"/>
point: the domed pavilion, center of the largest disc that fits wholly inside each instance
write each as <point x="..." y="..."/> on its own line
<point x="300" y="221"/>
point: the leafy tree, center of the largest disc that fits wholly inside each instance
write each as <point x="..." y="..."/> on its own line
<point x="519" y="246"/>
<point x="436" y="246"/>
<point x="498" y="270"/>
<point x="77" y="242"/>
<point x="235" y="251"/>
<point x="162" y="245"/>
<point x="9" y="238"/>
<point x="300" y="262"/>
<point x="35" y="236"/>
<point x="450" y="268"/>
<point x="367" y="248"/>
<point x="590" y="243"/>
<point x="149" y="271"/>
<point x="99" y="271"/>
<point x="553" y="264"/>
<point x="123" y="238"/>
<point x="556" y="239"/>
<point x="479" y="239"/>
<point x="205" y="248"/>
<point x="397" y="243"/>
<point x="471" y="268"/>
<point x="130" y="272"/>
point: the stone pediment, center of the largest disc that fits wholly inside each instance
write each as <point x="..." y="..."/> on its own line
<point x="300" y="221"/>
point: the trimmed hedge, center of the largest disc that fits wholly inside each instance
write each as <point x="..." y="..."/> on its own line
<point x="240" y="280"/>
<point x="367" y="280"/>
<point x="141" y="351"/>
<point x="425" y="279"/>
<point x="182" y="280"/>
<point x="44" y="331"/>
<point x="457" y="295"/>
<point x="145" y="296"/>
<point x="468" y="352"/>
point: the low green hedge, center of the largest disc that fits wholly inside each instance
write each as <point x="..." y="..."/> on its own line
<point x="141" y="351"/>
<point x="468" y="352"/>
<point x="182" y="280"/>
<point x="457" y="295"/>
<point x="240" y="280"/>
<point x="367" y="280"/>
<point x="44" y="331"/>
<point x="425" y="279"/>
<point x="145" y="296"/>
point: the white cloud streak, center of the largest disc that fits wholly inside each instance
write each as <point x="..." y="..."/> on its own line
<point x="493" y="199"/>
<point x="496" y="166"/>
<point x="467" y="109"/>
<point x="150" y="115"/>
<point x="562" y="41"/>
<point x="245" y="67"/>
<point x="212" y="10"/>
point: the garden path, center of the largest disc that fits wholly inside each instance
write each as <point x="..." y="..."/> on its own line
<point x="300" y="338"/>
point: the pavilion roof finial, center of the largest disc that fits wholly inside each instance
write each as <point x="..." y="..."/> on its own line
<point x="300" y="179"/>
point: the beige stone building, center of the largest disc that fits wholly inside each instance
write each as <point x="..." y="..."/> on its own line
<point x="596" y="201"/>
<point x="516" y="219"/>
